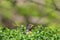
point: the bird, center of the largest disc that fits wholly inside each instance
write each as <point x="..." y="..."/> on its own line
<point x="29" y="27"/>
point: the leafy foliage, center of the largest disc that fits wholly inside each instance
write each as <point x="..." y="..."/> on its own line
<point x="38" y="33"/>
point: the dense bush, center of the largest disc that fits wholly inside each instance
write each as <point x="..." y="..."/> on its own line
<point x="38" y="33"/>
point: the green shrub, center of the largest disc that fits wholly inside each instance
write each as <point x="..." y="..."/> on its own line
<point x="38" y="33"/>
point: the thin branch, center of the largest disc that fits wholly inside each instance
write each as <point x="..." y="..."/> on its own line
<point x="40" y="4"/>
<point x="55" y="6"/>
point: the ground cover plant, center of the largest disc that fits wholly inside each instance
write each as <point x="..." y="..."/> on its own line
<point x="38" y="33"/>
